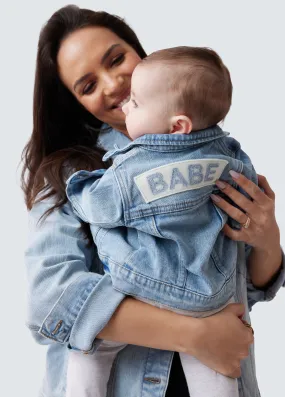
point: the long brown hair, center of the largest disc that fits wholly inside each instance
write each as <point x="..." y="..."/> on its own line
<point x="64" y="133"/>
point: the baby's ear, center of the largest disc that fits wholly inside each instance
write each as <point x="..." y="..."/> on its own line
<point x="180" y="125"/>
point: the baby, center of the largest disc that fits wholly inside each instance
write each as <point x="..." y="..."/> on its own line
<point x="156" y="229"/>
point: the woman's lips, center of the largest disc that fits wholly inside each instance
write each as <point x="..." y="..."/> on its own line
<point x="122" y="100"/>
<point x="121" y="104"/>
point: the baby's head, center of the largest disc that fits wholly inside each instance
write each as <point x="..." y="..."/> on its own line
<point x="178" y="90"/>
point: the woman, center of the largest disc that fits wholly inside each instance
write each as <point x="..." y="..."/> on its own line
<point x="84" y="66"/>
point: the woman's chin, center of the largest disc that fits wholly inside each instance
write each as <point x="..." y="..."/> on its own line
<point x="118" y="123"/>
<point x="118" y="114"/>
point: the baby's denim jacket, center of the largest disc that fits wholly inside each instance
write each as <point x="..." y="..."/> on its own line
<point x="156" y="229"/>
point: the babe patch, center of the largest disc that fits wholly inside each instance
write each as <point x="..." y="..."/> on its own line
<point x="179" y="177"/>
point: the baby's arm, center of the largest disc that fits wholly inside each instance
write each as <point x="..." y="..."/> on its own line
<point x="96" y="198"/>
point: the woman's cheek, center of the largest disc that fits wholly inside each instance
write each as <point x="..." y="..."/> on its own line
<point x="93" y="107"/>
<point x="131" y="63"/>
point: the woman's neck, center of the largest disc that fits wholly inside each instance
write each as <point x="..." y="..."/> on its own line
<point x="125" y="132"/>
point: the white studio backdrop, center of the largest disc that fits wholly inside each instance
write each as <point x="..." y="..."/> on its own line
<point x="249" y="36"/>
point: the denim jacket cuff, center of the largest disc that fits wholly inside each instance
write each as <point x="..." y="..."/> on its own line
<point x="99" y="308"/>
<point x="78" y="324"/>
<point x="267" y="294"/>
<point x="277" y="283"/>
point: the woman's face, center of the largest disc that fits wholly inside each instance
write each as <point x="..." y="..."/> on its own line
<point x="97" y="66"/>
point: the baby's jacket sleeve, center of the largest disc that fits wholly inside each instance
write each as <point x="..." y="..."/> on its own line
<point x="95" y="197"/>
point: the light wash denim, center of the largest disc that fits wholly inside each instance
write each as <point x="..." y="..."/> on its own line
<point x="70" y="300"/>
<point x="156" y="229"/>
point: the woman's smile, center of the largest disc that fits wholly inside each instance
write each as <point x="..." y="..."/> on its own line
<point x="121" y="100"/>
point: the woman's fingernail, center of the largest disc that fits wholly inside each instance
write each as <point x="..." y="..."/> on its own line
<point x="220" y="184"/>
<point x="234" y="174"/>
<point x="215" y="198"/>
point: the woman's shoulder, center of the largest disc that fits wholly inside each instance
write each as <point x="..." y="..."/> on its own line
<point x="43" y="211"/>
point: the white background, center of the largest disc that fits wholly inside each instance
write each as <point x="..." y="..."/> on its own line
<point x="249" y="36"/>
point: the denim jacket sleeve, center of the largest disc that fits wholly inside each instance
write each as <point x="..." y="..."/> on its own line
<point x="95" y="197"/>
<point x="255" y="295"/>
<point x="67" y="303"/>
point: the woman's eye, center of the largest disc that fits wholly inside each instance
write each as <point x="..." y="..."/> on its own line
<point x="89" y="88"/>
<point x="134" y="103"/>
<point x="119" y="59"/>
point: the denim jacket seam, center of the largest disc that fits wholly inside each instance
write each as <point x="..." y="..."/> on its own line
<point x="123" y="200"/>
<point x="111" y="260"/>
<point x="232" y="154"/>
<point x="225" y="148"/>
<point x="124" y="192"/>
<point x="161" y="142"/>
<point x="160" y="150"/>
<point x="74" y="202"/>
<point x="189" y="292"/>
<point x="132" y="214"/>
<point x="100" y="237"/>
<point x="146" y="361"/>
<point x="158" y="138"/>
<point x="112" y="379"/>
<point x="215" y="259"/>
<point x="155" y="227"/>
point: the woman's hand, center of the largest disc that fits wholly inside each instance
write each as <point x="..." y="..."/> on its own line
<point x="223" y="341"/>
<point x="263" y="228"/>
<point x="262" y="232"/>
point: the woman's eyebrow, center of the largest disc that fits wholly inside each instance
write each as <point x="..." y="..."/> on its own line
<point x="104" y="57"/>
<point x="108" y="52"/>
<point x="79" y="81"/>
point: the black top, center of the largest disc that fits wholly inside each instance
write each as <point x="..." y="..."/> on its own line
<point x="177" y="385"/>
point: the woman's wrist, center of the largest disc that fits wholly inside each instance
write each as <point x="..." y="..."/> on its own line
<point x="188" y="334"/>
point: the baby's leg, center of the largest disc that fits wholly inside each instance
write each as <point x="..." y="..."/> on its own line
<point x="88" y="374"/>
<point x="205" y="382"/>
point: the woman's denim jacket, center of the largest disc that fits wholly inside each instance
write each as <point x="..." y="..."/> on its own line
<point x="156" y="229"/>
<point x="70" y="301"/>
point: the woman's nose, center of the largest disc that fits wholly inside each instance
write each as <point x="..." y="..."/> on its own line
<point x="112" y="84"/>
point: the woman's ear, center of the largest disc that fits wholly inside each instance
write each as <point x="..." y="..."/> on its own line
<point x="180" y="125"/>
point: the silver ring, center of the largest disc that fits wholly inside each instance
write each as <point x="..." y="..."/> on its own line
<point x="247" y="223"/>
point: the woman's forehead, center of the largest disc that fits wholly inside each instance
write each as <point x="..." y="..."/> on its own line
<point x="84" y="47"/>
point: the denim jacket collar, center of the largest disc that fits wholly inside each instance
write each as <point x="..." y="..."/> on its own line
<point x="110" y="139"/>
<point x="172" y="142"/>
